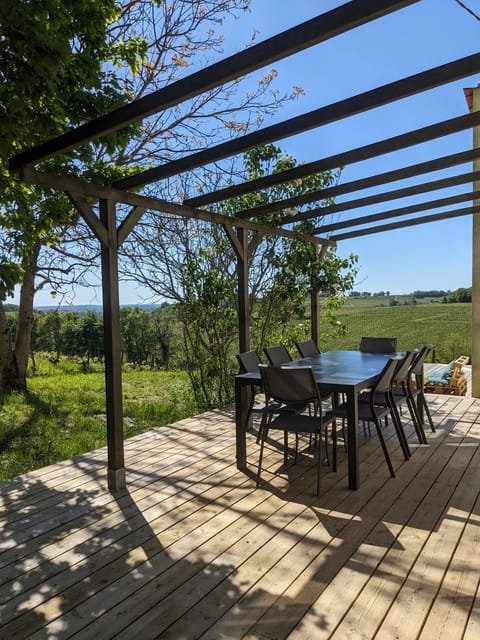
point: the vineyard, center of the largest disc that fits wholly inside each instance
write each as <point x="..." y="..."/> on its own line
<point x="446" y="326"/>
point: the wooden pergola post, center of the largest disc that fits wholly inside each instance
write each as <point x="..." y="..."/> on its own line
<point x="315" y="300"/>
<point x="315" y="295"/>
<point x="473" y="101"/>
<point x="113" y="365"/>
<point x="243" y="298"/>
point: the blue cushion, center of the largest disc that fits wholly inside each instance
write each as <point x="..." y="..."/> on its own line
<point x="442" y="377"/>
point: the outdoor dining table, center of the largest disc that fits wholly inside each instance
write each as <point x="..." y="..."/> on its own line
<point x="346" y="372"/>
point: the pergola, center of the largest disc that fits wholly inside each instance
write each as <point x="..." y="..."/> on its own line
<point x="111" y="234"/>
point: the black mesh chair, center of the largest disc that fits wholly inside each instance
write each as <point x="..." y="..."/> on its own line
<point x="308" y="349"/>
<point x="415" y="384"/>
<point x="249" y="361"/>
<point x="401" y="395"/>
<point x="395" y="398"/>
<point x="378" y="345"/>
<point x="277" y="355"/>
<point x="294" y="386"/>
<point x="371" y="410"/>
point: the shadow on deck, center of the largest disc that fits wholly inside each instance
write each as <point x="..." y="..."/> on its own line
<point x="193" y="550"/>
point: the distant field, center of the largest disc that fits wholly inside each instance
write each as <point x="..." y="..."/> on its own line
<point x="446" y="326"/>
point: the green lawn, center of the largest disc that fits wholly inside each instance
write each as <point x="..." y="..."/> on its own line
<point x="63" y="414"/>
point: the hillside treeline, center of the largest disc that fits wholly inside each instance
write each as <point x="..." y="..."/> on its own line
<point x="459" y="295"/>
<point x="147" y="336"/>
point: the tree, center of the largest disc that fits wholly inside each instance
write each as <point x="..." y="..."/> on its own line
<point x="459" y="295"/>
<point x="52" y="76"/>
<point x="69" y="62"/>
<point x="193" y="264"/>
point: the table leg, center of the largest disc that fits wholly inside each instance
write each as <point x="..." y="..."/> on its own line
<point x="240" y="431"/>
<point x="352" y="444"/>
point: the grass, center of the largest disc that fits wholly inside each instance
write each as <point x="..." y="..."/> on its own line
<point x="63" y="414"/>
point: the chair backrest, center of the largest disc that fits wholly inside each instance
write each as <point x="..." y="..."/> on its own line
<point x="417" y="365"/>
<point x="308" y="348"/>
<point x="248" y="361"/>
<point x="378" y="345"/>
<point x="384" y="381"/>
<point x="289" y="385"/>
<point x="277" y="355"/>
<point x="402" y="372"/>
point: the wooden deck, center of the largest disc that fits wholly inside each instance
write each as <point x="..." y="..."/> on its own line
<point x="194" y="550"/>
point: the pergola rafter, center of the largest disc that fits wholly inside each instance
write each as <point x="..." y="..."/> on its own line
<point x="307" y="34"/>
<point x="456" y="213"/>
<point x="312" y="120"/>
<point x="398" y="213"/>
<point x="379" y="179"/>
<point x="365" y="152"/>
<point x="377" y="198"/>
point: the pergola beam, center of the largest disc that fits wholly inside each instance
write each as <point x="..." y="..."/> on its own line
<point x="325" y="115"/>
<point x="366" y="152"/>
<point x="87" y="189"/>
<point x="307" y="34"/>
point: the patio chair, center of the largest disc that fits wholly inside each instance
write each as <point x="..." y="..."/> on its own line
<point x="395" y="398"/>
<point x="249" y="361"/>
<point x="378" y="345"/>
<point x="294" y="386"/>
<point x="415" y="386"/>
<point x="277" y="355"/>
<point x="371" y="410"/>
<point x="308" y="348"/>
<point x="401" y="395"/>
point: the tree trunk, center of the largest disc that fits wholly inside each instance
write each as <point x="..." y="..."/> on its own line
<point x="13" y="362"/>
<point x="6" y="353"/>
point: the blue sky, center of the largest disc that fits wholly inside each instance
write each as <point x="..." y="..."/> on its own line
<point x="426" y="34"/>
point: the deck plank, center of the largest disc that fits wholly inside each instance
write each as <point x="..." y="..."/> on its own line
<point x="325" y="569"/>
<point x="386" y="554"/>
<point x="194" y="550"/>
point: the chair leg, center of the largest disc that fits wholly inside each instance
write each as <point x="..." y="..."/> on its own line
<point x="262" y="434"/>
<point x="397" y="425"/>
<point x="334" y="446"/>
<point x="344" y="435"/>
<point x="263" y="422"/>
<point x="416" y="421"/>
<point x="319" y="458"/>
<point x="417" y="413"/>
<point x="427" y="411"/>
<point x="325" y="434"/>
<point x="384" y="448"/>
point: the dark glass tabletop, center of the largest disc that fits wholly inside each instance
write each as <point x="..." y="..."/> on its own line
<point x="349" y="368"/>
